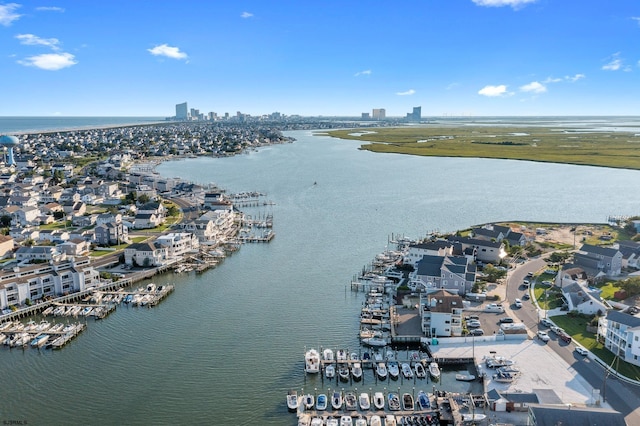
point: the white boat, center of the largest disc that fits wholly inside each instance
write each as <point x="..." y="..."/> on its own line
<point x="378" y="400"/>
<point x="423" y="401"/>
<point x="377" y="342"/>
<point x="343" y="372"/>
<point x="361" y="421"/>
<point x="393" y="369"/>
<point x="332" y="421"/>
<point x="434" y="370"/>
<point x="364" y="402"/>
<point x="356" y="371"/>
<point x="346" y="421"/>
<point x="40" y="341"/>
<point x="465" y="377"/>
<point x="321" y="402"/>
<point x="375" y="420"/>
<point x="327" y="355"/>
<point x="407" y="402"/>
<point x="317" y="421"/>
<point x="312" y="361"/>
<point x="381" y="370"/>
<point x="292" y="401"/>
<point x="330" y="371"/>
<point x="469" y="418"/>
<point x="390" y="420"/>
<point x="420" y="371"/>
<point x="341" y="355"/>
<point x="504" y="377"/>
<point x="407" y="372"/>
<point x="308" y="401"/>
<point x="336" y="400"/>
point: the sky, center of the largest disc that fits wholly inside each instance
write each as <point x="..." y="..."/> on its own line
<point x="311" y="57"/>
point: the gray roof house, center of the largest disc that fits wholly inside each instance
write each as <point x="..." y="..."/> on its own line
<point x="598" y="260"/>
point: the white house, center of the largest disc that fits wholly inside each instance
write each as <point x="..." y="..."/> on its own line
<point x="441" y="314"/>
<point x="623" y="336"/>
<point x="179" y="244"/>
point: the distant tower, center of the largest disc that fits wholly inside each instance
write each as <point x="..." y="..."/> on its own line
<point x="9" y="142"/>
<point x="181" y="111"/>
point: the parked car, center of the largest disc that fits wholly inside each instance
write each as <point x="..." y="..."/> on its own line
<point x="565" y="337"/>
<point x="581" y="351"/>
<point x="557" y="330"/>
<point x="476" y="332"/>
<point x="473" y="324"/>
<point x="542" y="335"/>
<point x="493" y="307"/>
<point x="546" y="322"/>
<point x="525" y="283"/>
<point x="529" y="274"/>
<point x="526" y="296"/>
<point x="506" y="320"/>
<point x="518" y="303"/>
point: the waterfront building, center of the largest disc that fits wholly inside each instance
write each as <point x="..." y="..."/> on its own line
<point x="179" y="244"/>
<point x="485" y="251"/>
<point x="597" y="260"/>
<point x="145" y="254"/>
<point x="455" y="273"/>
<point x="213" y="227"/>
<point x="182" y="111"/>
<point x="621" y="334"/>
<point x="379" y="114"/>
<point x="560" y="414"/>
<point x="46" y="279"/>
<point x="415" y="116"/>
<point x="441" y="314"/>
<point x="365" y="116"/>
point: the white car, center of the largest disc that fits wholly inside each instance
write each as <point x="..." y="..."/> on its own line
<point x="518" y="303"/>
<point x="546" y="322"/>
<point x="582" y="351"/>
<point x="542" y="335"/>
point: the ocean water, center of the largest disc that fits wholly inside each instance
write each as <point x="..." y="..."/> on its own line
<point x="21" y="125"/>
<point x="226" y="346"/>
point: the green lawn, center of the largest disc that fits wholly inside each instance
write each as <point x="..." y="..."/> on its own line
<point x="576" y="328"/>
<point x="56" y="225"/>
<point x="98" y="253"/>
<point x="609" y="290"/>
<point x="547" y="298"/>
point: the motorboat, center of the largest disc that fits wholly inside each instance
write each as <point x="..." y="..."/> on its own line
<point x="407" y="372"/>
<point x="308" y="401"/>
<point x="381" y="370"/>
<point x="434" y="370"/>
<point x="378" y="400"/>
<point x="366" y="360"/>
<point x="317" y="421"/>
<point x="393" y="369"/>
<point x="361" y="421"/>
<point x="312" y="361"/>
<point x="504" y="377"/>
<point x="336" y="400"/>
<point x="407" y="402"/>
<point x="390" y="420"/>
<point x="343" y="372"/>
<point x="375" y="420"/>
<point x="393" y="400"/>
<point x="292" y="401"/>
<point x="420" y="371"/>
<point x="350" y="401"/>
<point x="330" y="371"/>
<point x="327" y="355"/>
<point x="364" y="402"/>
<point x="341" y="355"/>
<point x="377" y="342"/>
<point x="321" y="402"/>
<point x="423" y="401"/>
<point x="356" y="371"/>
<point x="40" y="341"/>
<point x="332" y="421"/>
<point x="346" y="421"/>
<point x="304" y="420"/>
<point x="465" y="377"/>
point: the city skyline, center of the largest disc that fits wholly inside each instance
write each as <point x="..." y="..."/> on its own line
<point x="469" y="57"/>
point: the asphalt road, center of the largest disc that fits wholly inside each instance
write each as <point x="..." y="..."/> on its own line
<point x="621" y="396"/>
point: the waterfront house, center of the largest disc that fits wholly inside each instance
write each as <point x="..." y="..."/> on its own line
<point x="621" y="333"/>
<point x="485" y="251"/>
<point x="441" y="314"/>
<point x="38" y="253"/>
<point x="598" y="260"/>
<point x="212" y="227"/>
<point x="455" y="273"/>
<point x="630" y="253"/>
<point x="145" y="254"/>
<point x="179" y="244"/>
<point x="416" y="252"/>
<point x="579" y="298"/>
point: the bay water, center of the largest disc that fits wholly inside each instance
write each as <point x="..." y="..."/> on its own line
<point x="226" y="346"/>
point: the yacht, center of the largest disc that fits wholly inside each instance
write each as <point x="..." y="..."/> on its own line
<point x="312" y="361"/>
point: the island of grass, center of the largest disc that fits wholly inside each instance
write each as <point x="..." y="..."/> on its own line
<point x="616" y="149"/>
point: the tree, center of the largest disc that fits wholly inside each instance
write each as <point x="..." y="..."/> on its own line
<point x="143" y="199"/>
<point x="559" y="256"/>
<point x="493" y="273"/>
<point x="5" y="221"/>
<point x="131" y="197"/>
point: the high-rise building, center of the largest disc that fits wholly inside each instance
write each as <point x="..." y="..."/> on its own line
<point x="182" y="112"/>
<point x="416" y="115"/>
<point x="379" y="114"/>
<point x="365" y="116"/>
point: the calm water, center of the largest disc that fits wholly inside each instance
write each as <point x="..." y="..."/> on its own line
<point x="226" y="345"/>
<point x="15" y="125"/>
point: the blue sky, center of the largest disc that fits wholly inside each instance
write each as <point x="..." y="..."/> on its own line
<point x="452" y="57"/>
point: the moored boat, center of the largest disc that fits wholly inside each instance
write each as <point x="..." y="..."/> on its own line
<point x="309" y="401"/>
<point x="321" y="402"/>
<point x="332" y="421"/>
<point x="336" y="400"/>
<point x="343" y="373"/>
<point x="407" y="372"/>
<point x="327" y="355"/>
<point x="390" y="420"/>
<point x="304" y="420"/>
<point x="378" y="400"/>
<point x="381" y="370"/>
<point x="312" y="361"/>
<point x="393" y="401"/>
<point x="292" y="400"/>
<point x="346" y="421"/>
<point x="317" y="421"/>
<point x="423" y="401"/>
<point x="420" y="371"/>
<point x="356" y="371"/>
<point x="364" y="401"/>
<point x="350" y="401"/>
<point x="375" y="420"/>
<point x="465" y="377"/>
<point x="330" y="371"/>
<point x="361" y="421"/>
<point x="469" y="418"/>
<point x="407" y="402"/>
<point x="393" y="369"/>
<point x="434" y="370"/>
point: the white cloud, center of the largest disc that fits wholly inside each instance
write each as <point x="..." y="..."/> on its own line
<point x="33" y="40"/>
<point x="614" y="64"/>
<point x="407" y="93"/>
<point x="168" y="51"/>
<point x="50" y="61"/>
<point x="246" y="15"/>
<point x="50" y="9"/>
<point x="552" y="80"/>
<point x="534" y="87"/>
<point x="7" y="13"/>
<point x="636" y="18"/>
<point x="365" y="72"/>
<point x="574" y="78"/>
<point x="569" y="78"/>
<point x="493" y="91"/>
<point x="516" y="4"/>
